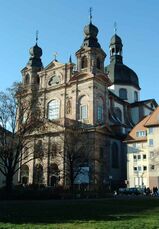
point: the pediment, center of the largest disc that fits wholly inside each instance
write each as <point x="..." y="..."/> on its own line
<point x="47" y="127"/>
<point x="53" y="65"/>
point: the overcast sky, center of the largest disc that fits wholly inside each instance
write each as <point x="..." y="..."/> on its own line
<point x="60" y="24"/>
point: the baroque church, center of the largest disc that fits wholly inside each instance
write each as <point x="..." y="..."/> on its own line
<point x="103" y="100"/>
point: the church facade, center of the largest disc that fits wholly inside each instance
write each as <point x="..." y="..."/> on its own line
<point x="103" y="102"/>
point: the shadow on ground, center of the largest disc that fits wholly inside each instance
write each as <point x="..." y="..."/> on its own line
<point x="66" y="211"/>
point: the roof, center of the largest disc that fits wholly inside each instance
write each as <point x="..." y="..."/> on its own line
<point x="144" y="102"/>
<point x="153" y="119"/>
<point x="139" y="127"/>
<point x="122" y="75"/>
<point x="149" y="121"/>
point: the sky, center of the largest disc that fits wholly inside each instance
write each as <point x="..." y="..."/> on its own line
<point x="60" y="24"/>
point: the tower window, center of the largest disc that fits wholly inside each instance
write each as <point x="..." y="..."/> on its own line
<point x="100" y="113"/>
<point x="135" y="96"/>
<point x="123" y="93"/>
<point x="84" y="112"/>
<point x="84" y="62"/>
<point x="27" y="79"/>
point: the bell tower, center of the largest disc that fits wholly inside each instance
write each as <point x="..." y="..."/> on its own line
<point x="90" y="57"/>
<point x="34" y="65"/>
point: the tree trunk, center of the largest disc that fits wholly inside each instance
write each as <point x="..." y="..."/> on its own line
<point x="9" y="182"/>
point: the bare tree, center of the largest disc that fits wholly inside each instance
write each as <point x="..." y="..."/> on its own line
<point x="72" y="148"/>
<point x="19" y="115"/>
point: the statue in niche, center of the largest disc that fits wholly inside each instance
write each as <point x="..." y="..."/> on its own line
<point x="68" y="107"/>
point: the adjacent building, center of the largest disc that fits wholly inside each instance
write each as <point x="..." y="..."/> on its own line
<point x="143" y="153"/>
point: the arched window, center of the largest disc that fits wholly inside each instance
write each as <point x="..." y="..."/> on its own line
<point x="84" y="62"/>
<point x="54" y="109"/>
<point x="54" y="174"/>
<point x="98" y="63"/>
<point x="25" y="174"/>
<point x="38" y="174"/>
<point x="135" y="96"/>
<point x="115" y="156"/>
<point x="27" y="79"/>
<point x="123" y="93"/>
<point x="118" y="113"/>
<point x="83" y="108"/>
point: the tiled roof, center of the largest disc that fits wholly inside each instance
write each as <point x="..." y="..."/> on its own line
<point x="139" y="127"/>
<point x="150" y="120"/>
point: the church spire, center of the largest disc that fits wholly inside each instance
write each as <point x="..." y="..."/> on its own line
<point x="116" y="47"/>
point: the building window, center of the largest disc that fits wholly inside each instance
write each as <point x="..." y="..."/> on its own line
<point x="140" y="133"/>
<point x="139" y="168"/>
<point x="84" y="62"/>
<point x="150" y="142"/>
<point x="27" y="79"/>
<point x="134" y="157"/>
<point x="135" y="168"/>
<point x="54" y="109"/>
<point x="144" y="156"/>
<point x="144" y="168"/>
<point x="151" y="130"/>
<point x="115" y="156"/>
<point x="123" y="93"/>
<point x="139" y="157"/>
<point x="152" y="167"/>
<point x="151" y="154"/>
<point x="100" y="113"/>
<point x="84" y="112"/>
<point x="135" y="96"/>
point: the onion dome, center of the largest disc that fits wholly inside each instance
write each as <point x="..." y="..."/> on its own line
<point x="115" y="40"/>
<point x="35" y="54"/>
<point x="119" y="73"/>
<point x="90" y="40"/>
<point x="35" y="51"/>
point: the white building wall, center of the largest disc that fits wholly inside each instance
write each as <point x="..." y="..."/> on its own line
<point x="130" y="92"/>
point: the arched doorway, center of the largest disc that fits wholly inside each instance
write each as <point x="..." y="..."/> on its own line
<point x="25" y="174"/>
<point x="54" y="174"/>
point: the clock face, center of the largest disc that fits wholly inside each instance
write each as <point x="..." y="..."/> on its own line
<point x="54" y="80"/>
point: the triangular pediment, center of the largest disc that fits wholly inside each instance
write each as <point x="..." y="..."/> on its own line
<point x="53" y="65"/>
<point x="47" y="127"/>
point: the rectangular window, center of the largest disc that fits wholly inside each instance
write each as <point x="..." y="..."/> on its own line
<point x="150" y="142"/>
<point x="144" y="168"/>
<point x="134" y="157"/>
<point x="151" y="154"/>
<point x="84" y="112"/>
<point x="139" y="157"/>
<point x="140" y="134"/>
<point x="151" y="130"/>
<point x="139" y="168"/>
<point x="135" y="168"/>
<point x="144" y="156"/>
